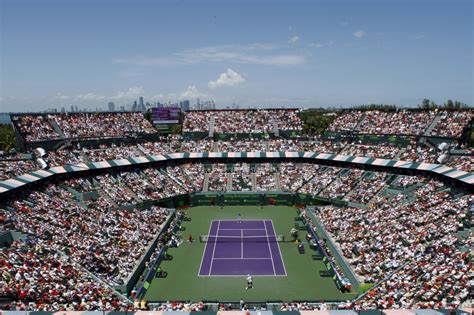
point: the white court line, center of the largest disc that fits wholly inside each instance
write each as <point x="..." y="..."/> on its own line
<point x="242" y="275"/>
<point x="214" y="249"/>
<point x="279" y="250"/>
<point x="269" y="248"/>
<point x="250" y="258"/>
<point x="242" y="229"/>
<point x="241" y="243"/>
<point x="205" y="249"/>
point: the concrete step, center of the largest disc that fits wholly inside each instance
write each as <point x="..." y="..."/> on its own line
<point x="205" y="184"/>
<point x="432" y="125"/>
<point x="254" y="182"/>
<point x="56" y="128"/>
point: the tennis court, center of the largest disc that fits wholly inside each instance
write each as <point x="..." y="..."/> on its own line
<point x="184" y="282"/>
<point x="239" y="248"/>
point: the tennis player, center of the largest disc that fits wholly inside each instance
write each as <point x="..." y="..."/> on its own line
<point x="249" y="282"/>
<point x="239" y="218"/>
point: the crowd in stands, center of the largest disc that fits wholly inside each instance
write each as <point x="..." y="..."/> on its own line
<point x="241" y="177"/>
<point x="402" y="122"/>
<point x="93" y="125"/>
<point x="35" y="127"/>
<point x="452" y="124"/>
<point x="197" y="121"/>
<point x="241" y="146"/>
<point x="403" y="242"/>
<point x="342" y="184"/>
<point x="106" y="241"/>
<point x="346" y="121"/>
<point x="77" y="155"/>
<point x="405" y="181"/>
<point x="265" y="177"/>
<point x="439" y="276"/>
<point x="189" y="176"/>
<point x="243" y="121"/>
<point x="80" y="184"/>
<point x="462" y="162"/>
<point x="392" y="237"/>
<point x="217" y="180"/>
<point x="295" y="175"/>
<point x="181" y="307"/>
<point x="14" y="167"/>
<point x="376" y="151"/>
<point x="319" y="180"/>
<point x="82" y="125"/>
<point x="36" y="277"/>
<point x="151" y="184"/>
<point x="113" y="152"/>
<point x="368" y="187"/>
<point x="303" y="306"/>
<point x="394" y="230"/>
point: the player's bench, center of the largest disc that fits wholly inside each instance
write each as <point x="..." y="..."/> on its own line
<point x="325" y="273"/>
<point x="317" y="256"/>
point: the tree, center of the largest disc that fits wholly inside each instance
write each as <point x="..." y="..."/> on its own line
<point x="449" y="104"/>
<point x="7" y="138"/>
<point x="425" y="104"/>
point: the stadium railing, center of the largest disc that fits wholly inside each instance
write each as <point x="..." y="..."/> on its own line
<point x="321" y="233"/>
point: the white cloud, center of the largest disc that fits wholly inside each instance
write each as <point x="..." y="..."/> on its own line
<point x="228" y="78"/>
<point x="293" y="40"/>
<point x="321" y="45"/>
<point x="131" y="93"/>
<point x="420" y="35"/>
<point x="61" y="96"/>
<point x="158" y="96"/>
<point x="89" y="97"/>
<point x="359" y="33"/>
<point x="260" y="54"/>
<point x="191" y="93"/>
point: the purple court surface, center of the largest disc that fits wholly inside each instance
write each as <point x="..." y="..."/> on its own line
<point x="240" y="248"/>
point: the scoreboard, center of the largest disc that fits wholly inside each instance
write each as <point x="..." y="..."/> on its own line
<point x="165" y="115"/>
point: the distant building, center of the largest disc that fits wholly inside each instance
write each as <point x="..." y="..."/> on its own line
<point x="134" y="106"/>
<point x="122" y="108"/>
<point x="184" y="105"/>
<point x="141" y="105"/>
<point x="111" y="106"/>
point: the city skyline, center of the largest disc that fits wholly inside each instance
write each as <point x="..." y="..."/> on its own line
<point x="250" y="53"/>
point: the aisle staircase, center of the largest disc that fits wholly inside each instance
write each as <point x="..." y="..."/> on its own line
<point x="56" y="127"/>
<point x="212" y="123"/>
<point x="205" y="183"/>
<point x="357" y="127"/>
<point x="276" y="131"/>
<point x="229" y="182"/>
<point x="433" y="125"/>
<point x="277" y="181"/>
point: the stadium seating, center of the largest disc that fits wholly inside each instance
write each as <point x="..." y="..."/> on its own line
<point x="85" y="234"/>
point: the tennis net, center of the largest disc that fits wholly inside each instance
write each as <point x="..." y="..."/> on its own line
<point x="241" y="239"/>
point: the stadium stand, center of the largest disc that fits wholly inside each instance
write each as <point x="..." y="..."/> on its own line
<point x="87" y="228"/>
<point x="243" y="121"/>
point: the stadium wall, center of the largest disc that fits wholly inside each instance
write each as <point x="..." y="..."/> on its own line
<point x="137" y="272"/>
<point x="322" y="234"/>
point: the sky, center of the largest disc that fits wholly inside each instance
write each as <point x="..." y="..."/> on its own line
<point x="250" y="53"/>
